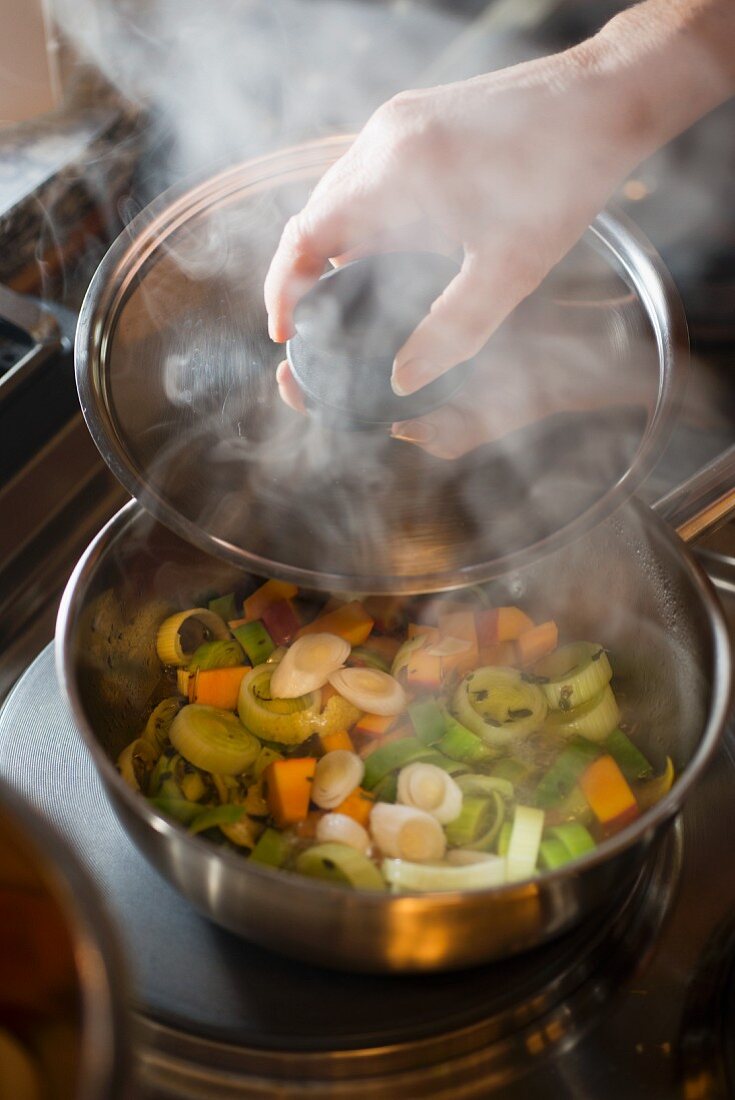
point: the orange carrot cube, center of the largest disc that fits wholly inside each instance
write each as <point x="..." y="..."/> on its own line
<point x="217" y="687"/>
<point x="374" y="725"/>
<point x="535" y="643"/>
<point x="357" y="806"/>
<point x="608" y="794"/>
<point x="330" y="742"/>
<point x="288" y="785"/>
<point x="351" y="622"/>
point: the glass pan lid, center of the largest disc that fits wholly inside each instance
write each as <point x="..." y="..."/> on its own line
<point x="176" y="376"/>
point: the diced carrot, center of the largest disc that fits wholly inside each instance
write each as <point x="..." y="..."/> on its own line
<point x="288" y="783"/>
<point x="416" y="630"/>
<point x="504" y="653"/>
<point x="351" y="622"/>
<point x="269" y="593"/>
<point x="535" y="643"/>
<point x="281" y="621"/>
<point x="423" y="670"/>
<point x="610" y="798"/>
<point x="501" y="624"/>
<point x="357" y="806"/>
<point x="461" y="625"/>
<point x="218" y="687"/>
<point x="374" y="725"/>
<point x="339" y="740"/>
<point x="306" y="829"/>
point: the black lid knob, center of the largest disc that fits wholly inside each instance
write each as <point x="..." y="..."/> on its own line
<point x="349" y="328"/>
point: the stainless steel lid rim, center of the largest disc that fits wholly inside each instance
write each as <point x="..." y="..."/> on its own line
<point x="640" y="832"/>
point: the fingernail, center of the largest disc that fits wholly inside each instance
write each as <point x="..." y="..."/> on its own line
<point x="411" y="376"/>
<point x="414" y="431"/>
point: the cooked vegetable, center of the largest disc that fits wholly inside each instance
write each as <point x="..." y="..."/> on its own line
<point x="339" y="740"/>
<point x="478" y="822"/>
<point x="287" y="721"/>
<point x="358" y="806"/>
<point x="337" y="775"/>
<point x="269" y="593"/>
<point x="308" y="664"/>
<point x="339" y="828"/>
<point x="426" y="787"/>
<point x="501" y="624"/>
<point x="255" y="641"/>
<point x="213" y="739"/>
<point x="525" y="838"/>
<point x="342" y="864"/>
<point x="281" y="621"/>
<point x="427" y="720"/>
<point x="564" y="773"/>
<point x="223" y="654"/>
<point x="370" y="690"/>
<point x="224" y="606"/>
<point x="405" y="833"/>
<point x="478" y="875"/>
<point x="611" y="799"/>
<point x="536" y="643"/>
<point x="180" y="635"/>
<point x="390" y="757"/>
<point x="218" y="687"/>
<point x="289" y="784"/>
<point x="629" y="759"/>
<point x="595" y="719"/>
<point x="573" y="674"/>
<point x="159" y="721"/>
<point x="216" y="816"/>
<point x="653" y="790"/>
<point x="136" y="762"/>
<point x="272" y="848"/>
<point x="374" y="725"/>
<point x="351" y="622"/>
<point x="499" y="705"/>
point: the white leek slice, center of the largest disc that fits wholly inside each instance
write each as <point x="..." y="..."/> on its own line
<point x="404" y="875"/>
<point x="370" y="689"/>
<point x="595" y="719"/>
<point x="213" y="739"/>
<point x="573" y="674"/>
<point x="463" y="857"/>
<point x="449" y="647"/>
<point x="308" y="664"/>
<point x="426" y="787"/>
<point x="169" y="644"/>
<point x="525" y="839"/>
<point x="341" y="829"/>
<point x="406" y="833"/>
<point x="340" y="864"/>
<point x="336" y="776"/>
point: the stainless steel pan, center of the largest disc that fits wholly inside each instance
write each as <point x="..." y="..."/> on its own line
<point x="631" y="583"/>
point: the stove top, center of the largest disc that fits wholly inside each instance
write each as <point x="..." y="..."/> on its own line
<point x="636" y="1002"/>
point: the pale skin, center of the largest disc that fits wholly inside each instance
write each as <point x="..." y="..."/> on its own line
<point x="527" y="154"/>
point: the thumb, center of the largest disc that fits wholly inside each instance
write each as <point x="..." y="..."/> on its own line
<point x="483" y="293"/>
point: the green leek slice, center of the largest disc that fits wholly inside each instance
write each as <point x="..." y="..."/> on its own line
<point x="177" y="808"/>
<point x="272" y="849"/>
<point x="220" y="654"/>
<point x="256" y="641"/>
<point x="573" y="674"/>
<point x="160" y="719"/>
<point x="285" y="721"/>
<point x="363" y="655"/>
<point x="504" y="838"/>
<point x="485" y="785"/>
<point x="564" y="773"/>
<point x="552" y="854"/>
<point x="266" y="756"/>
<point x="421" y="877"/>
<point x="402" y="658"/>
<point x="340" y="864"/>
<point x="224" y="606"/>
<point x="474" y="820"/>
<point x="627" y="756"/>
<point x="595" y="719"/>
<point x="213" y="739"/>
<point x="173" y="642"/>
<point x="525" y="838"/>
<point x="215" y="816"/>
<point x="427" y="721"/>
<point x="575" y="838"/>
<point x="462" y="744"/>
<point x="389" y="758"/>
<point x="499" y="705"/>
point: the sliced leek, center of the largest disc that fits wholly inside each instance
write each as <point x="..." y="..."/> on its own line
<point x="159" y="721"/>
<point x="485" y="785"/>
<point x="340" y="864"/>
<point x="308" y="664"/>
<point x="426" y="787"/>
<point x="213" y="739"/>
<point x="402" y="658"/>
<point x="370" y="689"/>
<point x="341" y="829"/>
<point x="573" y="674"/>
<point x="402" y="832"/>
<point x="525" y="839"/>
<point x="285" y="721"/>
<point x="337" y="775"/>
<point x="136" y="761"/>
<point x="499" y="705"/>
<point x="180" y="635"/>
<point x="482" y="874"/>
<point x="222" y="654"/>
<point x="595" y="719"/>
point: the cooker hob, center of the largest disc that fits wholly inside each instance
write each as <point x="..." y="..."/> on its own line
<point x="593" y="1013"/>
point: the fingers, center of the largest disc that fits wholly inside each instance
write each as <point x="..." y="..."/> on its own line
<point x="448" y="432"/>
<point x="288" y="388"/>
<point x="488" y="287"/>
<point x="419" y="236"/>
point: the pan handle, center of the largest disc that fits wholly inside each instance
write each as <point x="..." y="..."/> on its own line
<point x="703" y="502"/>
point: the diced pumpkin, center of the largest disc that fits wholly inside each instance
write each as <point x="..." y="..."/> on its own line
<point x="330" y="742"/>
<point x="351" y="622"/>
<point x="288" y="785"/>
<point x="383" y="646"/>
<point x="608" y="794"/>
<point x="357" y="806"/>
<point x="374" y="725"/>
<point x="417" y="630"/>
<point x="281" y="621"/>
<point x="501" y="624"/>
<point x="218" y="687"/>
<point x="504" y="653"/>
<point x="423" y="670"/>
<point x="269" y="593"/>
<point x="535" y="643"/>
<point x="460" y="625"/>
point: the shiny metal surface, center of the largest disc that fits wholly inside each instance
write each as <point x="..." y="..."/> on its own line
<point x="176" y="379"/>
<point x="98" y="1024"/>
<point x="630" y="583"/>
<point x="704" y="502"/>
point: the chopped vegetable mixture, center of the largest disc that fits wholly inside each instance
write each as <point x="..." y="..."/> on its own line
<point x="414" y="745"/>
